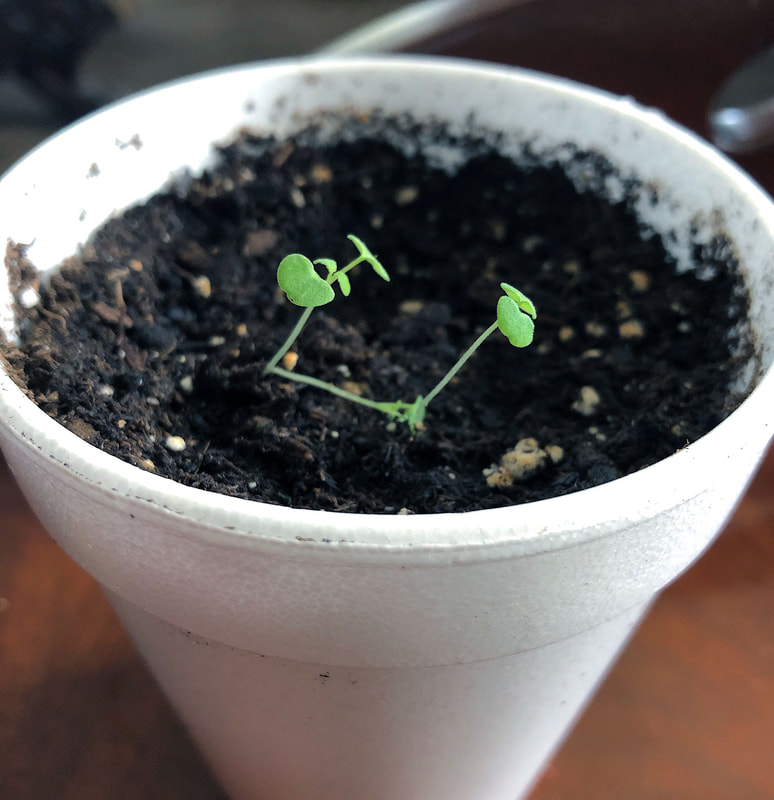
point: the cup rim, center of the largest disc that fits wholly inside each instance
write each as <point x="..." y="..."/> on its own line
<point x="525" y="529"/>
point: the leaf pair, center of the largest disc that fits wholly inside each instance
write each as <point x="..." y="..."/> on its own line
<point x="515" y="315"/>
<point x="304" y="286"/>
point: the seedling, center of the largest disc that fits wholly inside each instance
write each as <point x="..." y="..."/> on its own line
<point x="305" y="287"/>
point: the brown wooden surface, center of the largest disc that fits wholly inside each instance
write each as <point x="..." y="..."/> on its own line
<point x="687" y="713"/>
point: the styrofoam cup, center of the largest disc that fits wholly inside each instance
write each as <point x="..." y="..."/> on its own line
<point x="319" y="655"/>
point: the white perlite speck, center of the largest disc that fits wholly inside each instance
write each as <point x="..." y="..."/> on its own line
<point x="588" y="401"/>
<point x="28" y="298"/>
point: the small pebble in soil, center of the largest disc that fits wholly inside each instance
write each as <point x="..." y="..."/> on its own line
<point x="631" y="329"/>
<point x="289" y="360"/>
<point x="526" y="459"/>
<point x="566" y="333"/>
<point x="555" y="452"/>
<point x="640" y="280"/>
<point x="187" y="384"/>
<point x="595" y="329"/>
<point x="411" y="306"/>
<point x="202" y="286"/>
<point x="406" y="195"/>
<point x="321" y="173"/>
<point x="597" y="434"/>
<point x="175" y="443"/>
<point x="588" y="401"/>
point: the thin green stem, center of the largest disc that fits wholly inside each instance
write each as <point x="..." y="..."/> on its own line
<point x="353" y="263"/>
<point x="462" y="359"/>
<point x="294" y="334"/>
<point x="386" y="408"/>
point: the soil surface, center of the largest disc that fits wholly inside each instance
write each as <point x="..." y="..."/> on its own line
<point x="151" y="343"/>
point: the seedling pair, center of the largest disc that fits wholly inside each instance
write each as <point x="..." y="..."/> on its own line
<point x="305" y="287"/>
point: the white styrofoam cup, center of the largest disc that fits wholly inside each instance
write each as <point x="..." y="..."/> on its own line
<point x="319" y="655"/>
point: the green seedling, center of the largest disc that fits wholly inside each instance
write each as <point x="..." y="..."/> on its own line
<point x="304" y="286"/>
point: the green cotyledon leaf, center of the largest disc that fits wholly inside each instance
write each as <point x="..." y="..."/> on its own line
<point x="367" y="255"/>
<point x="521" y="299"/>
<point x="297" y="277"/>
<point x="514" y="323"/>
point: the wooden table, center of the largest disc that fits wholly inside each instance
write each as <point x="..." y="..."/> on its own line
<point x="687" y="713"/>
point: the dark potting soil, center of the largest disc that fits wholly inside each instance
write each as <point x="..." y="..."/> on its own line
<point x="151" y="343"/>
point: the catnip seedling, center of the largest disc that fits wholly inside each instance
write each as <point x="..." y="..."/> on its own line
<point x="304" y="286"/>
